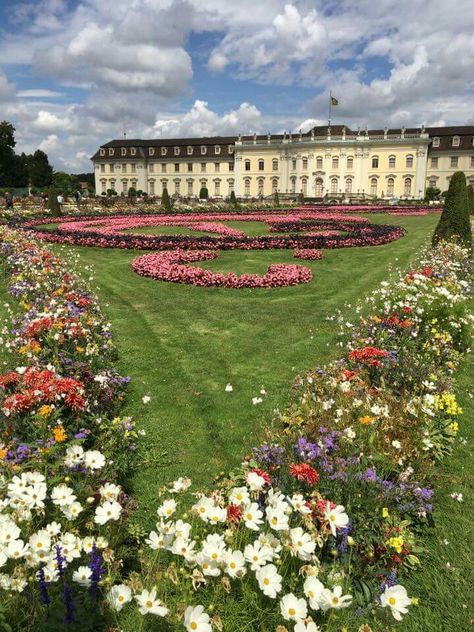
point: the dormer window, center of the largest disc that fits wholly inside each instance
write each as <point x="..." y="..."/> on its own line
<point x="176" y="151"/>
<point x="203" y="150"/>
<point x="102" y="152"/>
<point x="111" y="152"/>
<point x="231" y="147"/>
<point x="455" y="141"/>
<point x="133" y="151"/>
<point x="124" y="151"/>
<point x="151" y="151"/>
<point x="217" y="149"/>
<point x="163" y="151"/>
<point x="436" y="141"/>
<point x="190" y="150"/>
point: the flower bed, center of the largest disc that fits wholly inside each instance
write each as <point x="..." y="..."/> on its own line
<point x="308" y="253"/>
<point x="169" y="266"/>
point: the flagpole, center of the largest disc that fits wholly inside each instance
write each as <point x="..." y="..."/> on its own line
<point x="329" y="109"/>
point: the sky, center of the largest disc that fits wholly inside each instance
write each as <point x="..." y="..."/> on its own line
<point x="75" y="74"/>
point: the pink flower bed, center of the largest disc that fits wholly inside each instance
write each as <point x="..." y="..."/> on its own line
<point x="169" y="266"/>
<point x="310" y="254"/>
<point x="370" y="208"/>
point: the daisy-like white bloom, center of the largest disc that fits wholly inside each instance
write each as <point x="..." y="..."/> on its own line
<point x="146" y="399"/>
<point x="34" y="495"/>
<point x="185" y="548"/>
<point x="257" y="554"/>
<point x="167" y="509"/>
<point x="301" y="544"/>
<point x="118" y="596"/>
<point x="235" y="564"/>
<point x="256" y="400"/>
<point x="109" y="491"/>
<point x="53" y="528"/>
<point x="395" y="598"/>
<point x="16" y="549"/>
<point x="149" y="604"/>
<point x="208" y="567"/>
<point x="203" y="507"/>
<point x="40" y="541"/>
<point x="336" y="517"/>
<point x="306" y="626"/>
<point x="74" y="455"/>
<point x="94" y="460"/>
<point x="214" y="548"/>
<point x="217" y="514"/>
<point x="252" y="516"/>
<point x="277" y="519"/>
<point x="62" y="495"/>
<point x="298" y="502"/>
<point x="255" y="481"/>
<point x="313" y="589"/>
<point x="334" y="599"/>
<point x="196" y="620"/>
<point x="229" y="388"/>
<point x="82" y="576"/>
<point x="272" y="542"/>
<point x="155" y="541"/>
<point x="269" y="580"/>
<point x="72" y="511"/>
<point x="292" y="608"/>
<point x="239" y="496"/>
<point x="181" y="484"/>
<point x="107" y="511"/>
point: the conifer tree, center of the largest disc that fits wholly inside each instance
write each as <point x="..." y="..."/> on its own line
<point x="470" y="198"/>
<point x="455" y="222"/>
<point x="165" y="201"/>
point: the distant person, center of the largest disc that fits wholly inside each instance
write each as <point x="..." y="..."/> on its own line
<point x="44" y="198"/>
<point x="60" y="200"/>
<point x="8" y="200"/>
<point x="78" y="198"/>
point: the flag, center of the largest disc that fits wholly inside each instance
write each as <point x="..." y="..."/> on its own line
<point x="334" y="101"/>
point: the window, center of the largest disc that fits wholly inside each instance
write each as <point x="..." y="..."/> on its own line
<point x="275" y="164"/>
<point x="217" y="149"/>
<point x="335" y="162"/>
<point x="247" y="187"/>
<point x="217" y="167"/>
<point x="102" y="152"/>
<point x="176" y="151"/>
<point x="164" y="185"/>
<point x="111" y="152"/>
<point x="177" y="186"/>
<point x="203" y="150"/>
<point x="190" y="150"/>
<point x="133" y="151"/>
<point x="163" y="152"/>
<point x="318" y="189"/>
<point x="124" y="167"/>
<point x="319" y="162"/>
<point x="176" y="167"/>
<point x="407" y="186"/>
<point x="111" y="167"/>
<point x="190" y="167"/>
<point x="151" y="151"/>
<point x="434" y="163"/>
<point x="471" y="181"/>
<point x="124" y="187"/>
<point x="455" y="141"/>
<point x="112" y="184"/>
<point x="350" y="162"/>
<point x="217" y="187"/>
<point x="293" y="185"/>
<point x="409" y="161"/>
<point x="261" y="165"/>
<point x="231" y="151"/>
<point x="432" y="182"/>
<point x="304" y="186"/>
<point x="454" y="161"/>
<point x="231" y="186"/>
<point x="104" y="185"/>
<point x="348" y="187"/>
<point x="152" y="167"/>
<point x="472" y="162"/>
<point x="373" y="186"/>
<point x="260" y="186"/>
<point x="152" y="187"/>
<point x="203" y="167"/>
<point x="390" y="186"/>
<point x="190" y="187"/>
<point x="333" y="185"/>
<point x="274" y="185"/>
<point x="134" y="167"/>
<point x="392" y="161"/>
<point x="375" y="162"/>
<point x="247" y="165"/>
<point x="293" y="163"/>
<point x="123" y="151"/>
<point x="102" y="168"/>
<point x="231" y="166"/>
<point x="305" y="164"/>
<point x="163" y="167"/>
<point x="436" y="141"/>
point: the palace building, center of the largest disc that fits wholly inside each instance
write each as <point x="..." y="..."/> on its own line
<point x="325" y="163"/>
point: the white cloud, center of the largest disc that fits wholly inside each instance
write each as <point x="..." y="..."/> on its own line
<point x="38" y="93"/>
<point x="49" y="144"/>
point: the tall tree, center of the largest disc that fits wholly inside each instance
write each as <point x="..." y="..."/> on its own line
<point x="39" y="170"/>
<point x="7" y="154"/>
<point x="455" y="222"/>
<point x="470" y="198"/>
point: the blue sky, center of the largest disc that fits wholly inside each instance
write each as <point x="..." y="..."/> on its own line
<point x="75" y="74"/>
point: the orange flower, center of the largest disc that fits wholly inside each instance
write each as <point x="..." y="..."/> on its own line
<point x="59" y="434"/>
<point x="3" y="452"/>
<point x="45" y="411"/>
<point x="367" y="420"/>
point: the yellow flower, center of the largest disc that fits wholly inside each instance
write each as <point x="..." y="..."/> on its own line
<point x="45" y="411"/>
<point x="415" y="601"/>
<point x="366" y="420"/>
<point x="454" y="426"/>
<point x="396" y="543"/>
<point x="79" y="349"/>
<point x="59" y="434"/>
<point x="385" y="513"/>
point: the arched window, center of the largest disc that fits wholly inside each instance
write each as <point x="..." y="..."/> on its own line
<point x="247" y="165"/>
<point x="261" y="165"/>
<point x="432" y="182"/>
<point x="335" y="162"/>
<point x="348" y="185"/>
<point x="177" y="187"/>
<point x="407" y="186"/>
<point x="373" y="186"/>
<point x="333" y="185"/>
<point x="305" y="163"/>
<point x="293" y="185"/>
<point x="390" y="186"/>
<point x="350" y="162"/>
<point x="190" y="187"/>
<point x="318" y="187"/>
<point x="319" y="162"/>
<point x="375" y="162"/>
<point x="247" y="186"/>
<point x="164" y="185"/>
<point x="103" y="185"/>
<point x="152" y="187"/>
<point x="217" y="187"/>
<point x="231" y="186"/>
<point x="275" y="164"/>
<point x="392" y="161"/>
<point x="409" y="161"/>
<point x="261" y="184"/>
<point x="304" y="186"/>
<point x="274" y="185"/>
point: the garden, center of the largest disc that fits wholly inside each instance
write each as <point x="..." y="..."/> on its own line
<point x="251" y="444"/>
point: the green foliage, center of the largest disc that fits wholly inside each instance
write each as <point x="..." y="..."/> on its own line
<point x="165" y="201"/>
<point x="53" y="204"/>
<point x="233" y="199"/>
<point x="203" y="193"/>
<point x="432" y="193"/>
<point x="20" y="170"/>
<point x="65" y="182"/>
<point x="276" y="199"/>
<point x="40" y="172"/>
<point x="111" y="192"/>
<point x="470" y="198"/>
<point x="132" y="192"/>
<point x="301" y="198"/>
<point x="455" y="222"/>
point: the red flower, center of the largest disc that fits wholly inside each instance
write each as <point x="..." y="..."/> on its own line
<point x="265" y="475"/>
<point x="368" y="355"/>
<point x="234" y="514"/>
<point x="304" y="472"/>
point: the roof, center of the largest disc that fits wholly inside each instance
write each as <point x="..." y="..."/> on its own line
<point x="445" y="135"/>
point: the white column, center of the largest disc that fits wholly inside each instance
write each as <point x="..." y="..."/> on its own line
<point x="238" y="174"/>
<point x="420" y="173"/>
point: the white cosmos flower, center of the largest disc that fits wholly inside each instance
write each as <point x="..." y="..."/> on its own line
<point x="239" y="496"/>
<point x="336" y="517"/>
<point x="72" y="511"/>
<point x="82" y="576"/>
<point x="62" y="495"/>
<point x="109" y="491"/>
<point x="208" y="567"/>
<point x="94" y="460"/>
<point x="149" y="604"/>
<point x="252" y="516"/>
<point x="256" y="400"/>
<point x="185" y="548"/>
<point x="118" y="596"/>
<point x="258" y="554"/>
<point x="306" y="626"/>
<point x="40" y="541"/>
<point x="167" y="509"/>
<point x="277" y="520"/>
<point x="229" y="388"/>
<point x="107" y="511"/>
<point x="292" y="608"/>
<point x="214" y="548"/>
<point x="196" y="620"/>
<point x="203" y="507"/>
<point x="181" y="484"/>
<point x="217" y="514"/>
<point x="255" y="481"/>
<point x="34" y="495"/>
<point x="74" y="455"/>
<point x="53" y="528"/>
<point x="235" y="564"/>
<point x="155" y="541"/>
<point x="313" y="589"/>
<point x="298" y="502"/>
<point x="334" y="599"/>
<point x="16" y="549"/>
<point x="396" y="599"/>
<point x="269" y="580"/>
<point x="146" y="399"/>
<point x="302" y="544"/>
